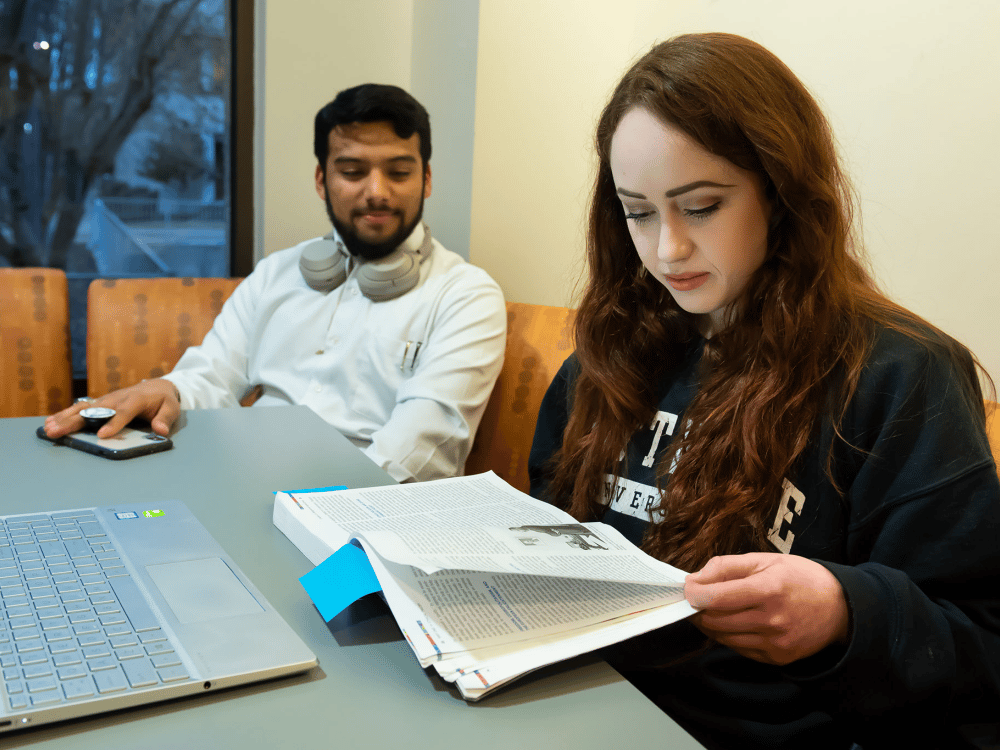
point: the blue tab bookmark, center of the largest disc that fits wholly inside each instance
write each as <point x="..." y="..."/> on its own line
<point x="332" y="488"/>
<point x="340" y="580"/>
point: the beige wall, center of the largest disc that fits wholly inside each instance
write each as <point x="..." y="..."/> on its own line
<point x="308" y="50"/>
<point x="912" y="88"/>
<point x="543" y="75"/>
<point x="312" y="50"/>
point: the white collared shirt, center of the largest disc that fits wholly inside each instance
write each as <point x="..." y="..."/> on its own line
<point x="405" y="379"/>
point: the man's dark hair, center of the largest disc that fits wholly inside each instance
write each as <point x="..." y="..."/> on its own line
<point x="373" y="102"/>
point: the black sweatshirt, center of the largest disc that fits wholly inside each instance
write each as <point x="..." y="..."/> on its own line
<point x="914" y="540"/>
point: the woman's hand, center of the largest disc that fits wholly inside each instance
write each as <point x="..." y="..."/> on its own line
<point x="767" y="606"/>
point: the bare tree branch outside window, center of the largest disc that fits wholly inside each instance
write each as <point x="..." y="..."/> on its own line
<point x="80" y="79"/>
<point x="114" y="141"/>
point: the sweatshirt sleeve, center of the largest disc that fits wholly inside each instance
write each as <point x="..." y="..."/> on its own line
<point x="921" y="570"/>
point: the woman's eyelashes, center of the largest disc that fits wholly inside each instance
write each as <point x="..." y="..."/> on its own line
<point x="641" y="216"/>
<point x="702" y="213"/>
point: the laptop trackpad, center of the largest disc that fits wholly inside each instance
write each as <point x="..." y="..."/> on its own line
<point x="200" y="590"/>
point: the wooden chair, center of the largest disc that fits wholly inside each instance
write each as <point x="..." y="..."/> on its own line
<point x="139" y="328"/>
<point x="539" y="338"/>
<point x="36" y="371"/>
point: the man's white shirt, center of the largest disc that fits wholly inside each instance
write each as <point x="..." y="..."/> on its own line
<point x="405" y="379"/>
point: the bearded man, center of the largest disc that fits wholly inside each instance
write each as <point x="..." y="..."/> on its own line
<point x="379" y="329"/>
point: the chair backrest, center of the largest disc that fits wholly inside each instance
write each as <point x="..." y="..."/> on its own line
<point x="539" y="338"/>
<point x="36" y="372"/>
<point x="139" y="328"/>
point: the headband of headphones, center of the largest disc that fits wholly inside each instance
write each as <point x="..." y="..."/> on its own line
<point x="324" y="264"/>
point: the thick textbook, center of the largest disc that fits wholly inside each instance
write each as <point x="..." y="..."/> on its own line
<point x="487" y="583"/>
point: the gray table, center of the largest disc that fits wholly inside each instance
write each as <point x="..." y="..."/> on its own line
<point x="369" y="691"/>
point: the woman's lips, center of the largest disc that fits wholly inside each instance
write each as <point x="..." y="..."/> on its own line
<point x="685" y="282"/>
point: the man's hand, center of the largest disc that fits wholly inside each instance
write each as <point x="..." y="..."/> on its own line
<point x="769" y="607"/>
<point x="154" y="400"/>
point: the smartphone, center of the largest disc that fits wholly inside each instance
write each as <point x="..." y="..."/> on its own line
<point x="128" y="443"/>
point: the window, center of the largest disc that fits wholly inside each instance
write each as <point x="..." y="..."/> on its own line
<point x="115" y="140"/>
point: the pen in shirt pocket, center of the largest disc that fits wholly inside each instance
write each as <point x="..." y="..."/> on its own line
<point x="414" y="348"/>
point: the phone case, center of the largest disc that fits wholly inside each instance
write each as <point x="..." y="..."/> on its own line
<point x="128" y="443"/>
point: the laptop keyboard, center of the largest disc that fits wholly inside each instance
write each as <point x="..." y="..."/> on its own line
<point x="73" y="623"/>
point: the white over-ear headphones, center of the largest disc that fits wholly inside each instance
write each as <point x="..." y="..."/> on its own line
<point x="323" y="263"/>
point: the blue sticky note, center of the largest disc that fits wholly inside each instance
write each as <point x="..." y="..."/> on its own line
<point x="314" y="489"/>
<point x="340" y="580"/>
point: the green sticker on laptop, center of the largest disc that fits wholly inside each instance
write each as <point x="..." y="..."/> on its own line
<point x="152" y="513"/>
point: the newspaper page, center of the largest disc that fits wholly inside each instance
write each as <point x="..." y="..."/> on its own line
<point x="482" y="629"/>
<point x="478" y="678"/>
<point x="320" y="523"/>
<point x="570" y="550"/>
<point x="486" y="582"/>
<point x="463" y="610"/>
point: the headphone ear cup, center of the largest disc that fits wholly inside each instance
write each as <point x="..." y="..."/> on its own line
<point x="390" y="277"/>
<point x="323" y="265"/>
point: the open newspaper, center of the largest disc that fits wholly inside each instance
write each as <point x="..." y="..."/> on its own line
<point x="487" y="583"/>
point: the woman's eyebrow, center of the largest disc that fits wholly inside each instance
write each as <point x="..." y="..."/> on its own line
<point x="675" y="191"/>
<point x="693" y="186"/>
<point x="630" y="194"/>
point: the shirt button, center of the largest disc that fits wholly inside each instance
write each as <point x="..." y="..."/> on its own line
<point x="317" y="388"/>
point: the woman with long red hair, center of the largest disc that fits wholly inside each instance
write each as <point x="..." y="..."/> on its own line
<point x="745" y="403"/>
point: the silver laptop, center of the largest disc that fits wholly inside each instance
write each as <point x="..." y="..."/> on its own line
<point x="105" y="608"/>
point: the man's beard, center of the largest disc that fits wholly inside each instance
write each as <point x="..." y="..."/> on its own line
<point x="365" y="250"/>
